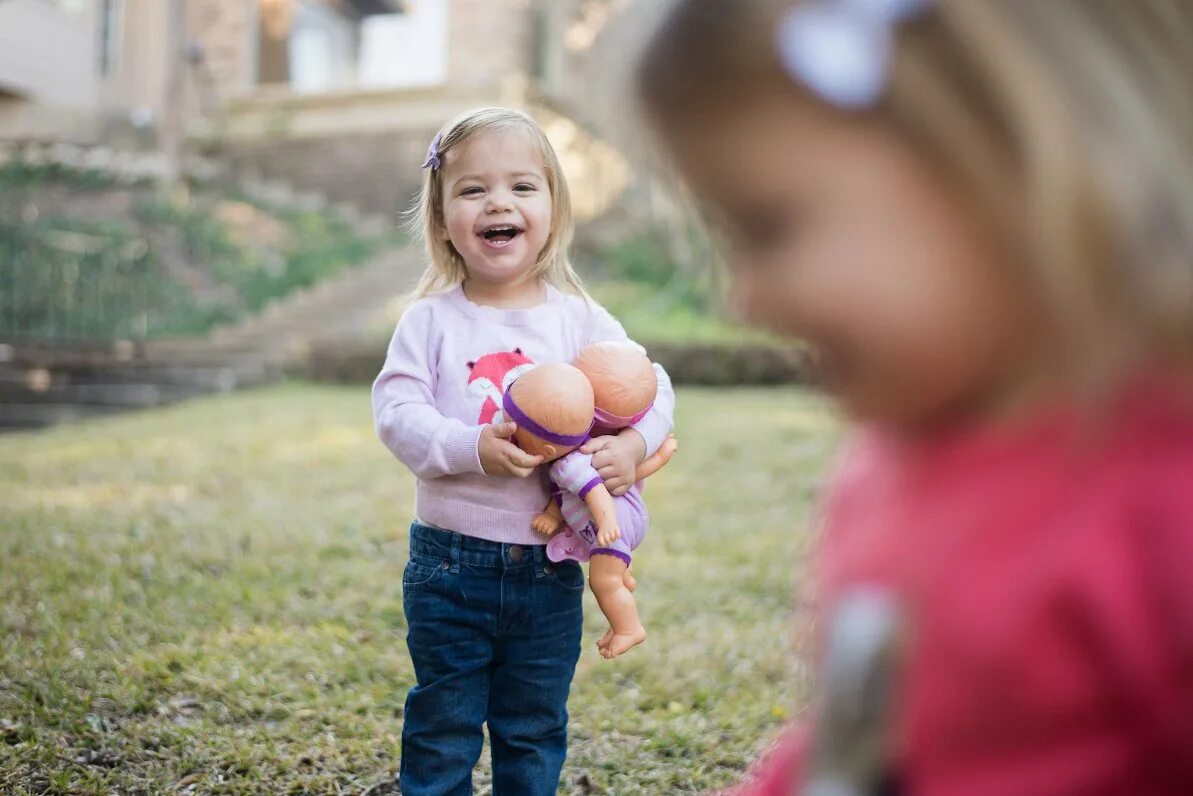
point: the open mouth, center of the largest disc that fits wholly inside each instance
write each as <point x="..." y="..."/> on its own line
<point x="500" y="234"/>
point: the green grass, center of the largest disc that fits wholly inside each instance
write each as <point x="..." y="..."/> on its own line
<point x="653" y="315"/>
<point x="207" y="599"/>
<point x="660" y="299"/>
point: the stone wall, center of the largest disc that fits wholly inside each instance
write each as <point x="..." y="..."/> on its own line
<point x="365" y="147"/>
<point x="490" y="42"/>
<point x="358" y="361"/>
<point x="375" y="172"/>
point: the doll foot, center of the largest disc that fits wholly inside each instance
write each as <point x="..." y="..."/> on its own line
<point x="544" y="524"/>
<point x="629" y="581"/>
<point x="617" y="643"/>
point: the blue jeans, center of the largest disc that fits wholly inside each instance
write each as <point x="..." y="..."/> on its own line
<point x="494" y="633"/>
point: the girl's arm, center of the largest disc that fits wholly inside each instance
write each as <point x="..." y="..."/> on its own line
<point x="404" y="412"/>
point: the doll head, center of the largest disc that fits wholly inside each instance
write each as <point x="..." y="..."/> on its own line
<point x="552" y="405"/>
<point x="623" y="381"/>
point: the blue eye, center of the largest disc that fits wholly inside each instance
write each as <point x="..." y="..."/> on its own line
<point x="524" y="186"/>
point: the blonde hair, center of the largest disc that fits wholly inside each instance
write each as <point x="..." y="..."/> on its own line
<point x="445" y="267"/>
<point x="1070" y="122"/>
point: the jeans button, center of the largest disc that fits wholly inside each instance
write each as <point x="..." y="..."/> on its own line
<point x="547" y="570"/>
<point x="445" y="565"/>
<point x="516" y="553"/>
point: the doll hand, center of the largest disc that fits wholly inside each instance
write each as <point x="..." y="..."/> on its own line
<point x="546" y="523"/>
<point x="608" y="533"/>
<point x="499" y="456"/>
<point x="616" y="458"/>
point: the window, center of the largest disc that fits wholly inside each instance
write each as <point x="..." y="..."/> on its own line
<point x="319" y="46"/>
<point x="405" y="50"/>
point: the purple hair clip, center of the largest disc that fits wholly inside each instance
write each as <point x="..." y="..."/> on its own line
<point x="841" y="49"/>
<point x="433" y="161"/>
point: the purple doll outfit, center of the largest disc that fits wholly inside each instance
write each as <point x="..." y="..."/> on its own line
<point x="571" y="478"/>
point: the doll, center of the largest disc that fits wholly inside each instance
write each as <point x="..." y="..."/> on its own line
<point x="552" y="406"/>
<point x="624" y="388"/>
<point x="624" y="385"/>
<point x="585" y="522"/>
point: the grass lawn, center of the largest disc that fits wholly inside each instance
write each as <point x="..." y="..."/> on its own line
<point x="207" y="599"/>
<point x="654" y="316"/>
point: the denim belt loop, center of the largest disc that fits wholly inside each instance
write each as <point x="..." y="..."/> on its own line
<point x="540" y="554"/>
<point x="457" y="538"/>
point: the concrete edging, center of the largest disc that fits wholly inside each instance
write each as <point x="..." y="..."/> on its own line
<point x="722" y="365"/>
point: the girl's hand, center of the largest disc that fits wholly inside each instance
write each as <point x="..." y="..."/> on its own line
<point x="499" y="456"/>
<point x="616" y="458"/>
<point x="608" y="533"/>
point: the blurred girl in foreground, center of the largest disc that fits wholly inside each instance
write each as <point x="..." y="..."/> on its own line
<point x="980" y="212"/>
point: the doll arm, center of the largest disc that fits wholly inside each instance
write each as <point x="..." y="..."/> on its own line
<point x="549" y="520"/>
<point x="404" y="413"/>
<point x="656" y="462"/>
<point x="604" y="514"/>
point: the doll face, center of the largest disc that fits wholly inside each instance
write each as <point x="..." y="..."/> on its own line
<point x="536" y="446"/>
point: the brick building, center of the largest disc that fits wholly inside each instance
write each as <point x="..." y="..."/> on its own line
<point x="339" y="96"/>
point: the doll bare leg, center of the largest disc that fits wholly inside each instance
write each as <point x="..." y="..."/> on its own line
<point x="550" y="520"/>
<point x="606" y="577"/>
<point x="652" y="464"/>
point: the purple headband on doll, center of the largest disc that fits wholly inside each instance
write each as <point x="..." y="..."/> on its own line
<point x="841" y="49"/>
<point x="524" y="422"/>
<point x="433" y="161"/>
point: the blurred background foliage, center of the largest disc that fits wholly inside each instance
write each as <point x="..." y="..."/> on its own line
<point x="85" y="257"/>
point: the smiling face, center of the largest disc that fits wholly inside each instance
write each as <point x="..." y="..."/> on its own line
<point x="497" y="206"/>
<point x="840" y="235"/>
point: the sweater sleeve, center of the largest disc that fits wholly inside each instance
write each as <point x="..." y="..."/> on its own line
<point x="660" y="420"/>
<point x="404" y="412"/>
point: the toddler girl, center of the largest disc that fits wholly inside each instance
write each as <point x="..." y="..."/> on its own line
<point x="493" y="626"/>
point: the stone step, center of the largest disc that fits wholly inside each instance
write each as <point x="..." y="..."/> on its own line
<point x="17" y="416"/>
<point x="131" y="396"/>
<point x="360" y="292"/>
<point x="182" y="352"/>
<point x="212" y="378"/>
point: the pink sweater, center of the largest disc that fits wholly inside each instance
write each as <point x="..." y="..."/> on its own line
<point x="448" y="365"/>
<point x="1045" y="573"/>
